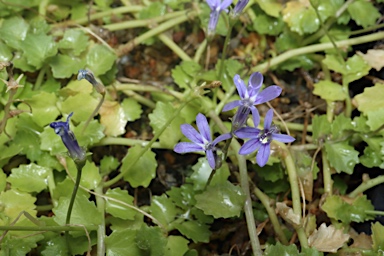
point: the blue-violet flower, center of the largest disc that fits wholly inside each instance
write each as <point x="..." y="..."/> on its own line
<point x="261" y="139"/>
<point x="249" y="97"/>
<point x="201" y="141"/>
<point x="217" y="6"/>
<point x="239" y="7"/>
<point x="68" y="137"/>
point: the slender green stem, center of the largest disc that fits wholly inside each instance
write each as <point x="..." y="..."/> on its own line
<point x="101" y="228"/>
<point x="200" y="51"/>
<point x="250" y="219"/>
<point x="295" y="191"/>
<point x="366" y="185"/>
<point x="44" y="208"/>
<point x="147" y="88"/>
<point x="380" y="213"/>
<point x="348" y="102"/>
<point x="148" y="146"/>
<point x="266" y="201"/>
<point x="40" y="77"/>
<point x="224" y="52"/>
<point x="155" y="31"/>
<point x="316" y="48"/>
<point x="127" y="142"/>
<point x="327" y="178"/>
<point x="48" y="228"/>
<point x="174" y="47"/>
<point x="147" y="102"/>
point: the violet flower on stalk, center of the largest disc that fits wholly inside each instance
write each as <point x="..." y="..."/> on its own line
<point x="201" y="141"/>
<point x="249" y="97"/>
<point x="261" y="139"/>
<point x="217" y="6"/>
<point x="239" y="7"/>
<point x="68" y="137"/>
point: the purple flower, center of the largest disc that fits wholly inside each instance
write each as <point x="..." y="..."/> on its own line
<point x="217" y="6"/>
<point x="261" y="139"/>
<point x="68" y="138"/>
<point x="239" y="7"/>
<point x="249" y="97"/>
<point x="201" y="141"/>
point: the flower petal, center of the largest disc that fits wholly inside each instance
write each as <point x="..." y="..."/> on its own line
<point x="211" y="159"/>
<point x="186" y="147"/>
<point x="240" y="86"/>
<point x="283" y="138"/>
<point x="213" y="3"/>
<point x="240" y="117"/>
<point x="231" y="105"/>
<point x="263" y="155"/>
<point x="255" y="116"/>
<point x="213" y="19"/>
<point x="202" y="124"/>
<point x="191" y="133"/>
<point x="250" y="146"/>
<point x="268" y="119"/>
<point x="247" y="133"/>
<point x="222" y="137"/>
<point x="224" y="5"/>
<point x="268" y="94"/>
<point x="256" y="81"/>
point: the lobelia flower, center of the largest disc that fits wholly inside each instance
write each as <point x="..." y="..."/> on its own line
<point x="261" y="139"/>
<point x="201" y="141"/>
<point x="249" y="97"/>
<point x="239" y="7"/>
<point x="217" y="6"/>
<point x="68" y="137"/>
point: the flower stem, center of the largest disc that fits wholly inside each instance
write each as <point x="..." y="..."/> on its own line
<point x="149" y="145"/>
<point x="224" y="52"/>
<point x="367" y="184"/>
<point x="327" y="178"/>
<point x="174" y="47"/>
<point x="101" y="227"/>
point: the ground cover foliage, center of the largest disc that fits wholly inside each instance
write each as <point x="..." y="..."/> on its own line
<point x="314" y="196"/>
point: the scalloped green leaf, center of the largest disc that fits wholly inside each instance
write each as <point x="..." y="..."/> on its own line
<point x="132" y="109"/>
<point x="100" y="59"/>
<point x="82" y="105"/>
<point x="37" y="48"/>
<point x="119" y="210"/>
<point x="364" y="13"/>
<point x="270" y="7"/>
<point x="371" y="103"/>
<point x="342" y="156"/>
<point x="29" y="178"/>
<point x="279" y="249"/>
<point x="90" y="177"/>
<point x="51" y="142"/>
<point x="108" y="163"/>
<point x="75" y="40"/>
<point x="91" y="135"/>
<point x="163" y="209"/>
<point x="329" y="91"/>
<point x="143" y="171"/>
<point x="13" y="202"/>
<point x="113" y="118"/>
<point x="64" y="66"/>
<point x="148" y="238"/>
<point x="194" y="230"/>
<point x="3" y="180"/>
<point x="222" y="200"/>
<point x="5" y="52"/>
<point x="176" y="246"/>
<point x="202" y="171"/>
<point x="121" y="242"/>
<point x="184" y="74"/>
<point x="300" y="17"/>
<point x="377" y="236"/>
<point x="13" y="31"/>
<point x="159" y="117"/>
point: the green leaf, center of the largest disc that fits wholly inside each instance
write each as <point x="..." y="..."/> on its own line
<point x="29" y="178"/>
<point x="51" y="142"/>
<point x="90" y="177"/>
<point x="20" y="246"/>
<point x="122" y="242"/>
<point x="342" y="156"/>
<point x="303" y="61"/>
<point x="353" y="69"/>
<point x="113" y="118"/>
<point x="8" y="152"/>
<point x="151" y="241"/>
<point x="117" y="209"/>
<point x="300" y="17"/>
<point x="75" y="40"/>
<point x="337" y="208"/>
<point x="270" y="7"/>
<point x="13" y="31"/>
<point x="264" y="23"/>
<point x="270" y="172"/>
<point x="221" y="201"/>
<point x="3" y="182"/>
<point x="55" y="246"/>
<point x="91" y="135"/>
<point x="321" y="127"/>
<point x="100" y="59"/>
<point x="64" y="189"/>
<point x="108" y="163"/>
<point x="132" y="109"/>
<point x="183" y="197"/>
<point x="37" y="48"/>
<point x="64" y="66"/>
<point x="377" y="236"/>
<point x="279" y="249"/>
<point x="44" y="108"/>
<point x="84" y="212"/>
<point x="176" y="246"/>
<point x="163" y="209"/>
<point x="13" y="202"/>
<point x="5" y="52"/>
<point x="82" y="105"/>
<point x="184" y="74"/>
<point x="143" y="171"/>
<point x="329" y="91"/>
<point x="364" y="13"/>
<point x="194" y="230"/>
<point x="155" y="9"/>
<point x="158" y="119"/>
<point x="341" y="126"/>
<point x="370" y="103"/>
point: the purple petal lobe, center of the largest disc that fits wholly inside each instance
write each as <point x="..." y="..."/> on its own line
<point x="250" y="146"/>
<point x="211" y="159"/>
<point x="191" y="133"/>
<point x="202" y="124"/>
<point x="222" y="137"/>
<point x="255" y="116"/>
<point x="263" y="155"/>
<point x="283" y="138"/>
<point x="256" y="81"/>
<point x="247" y="133"/>
<point x="240" y="117"/>
<point x="231" y="105"/>
<point x="212" y="3"/>
<point x="240" y="86"/>
<point x="186" y="147"/>
<point x="268" y="119"/>
<point x="225" y="4"/>
<point x="213" y="19"/>
<point x="268" y="94"/>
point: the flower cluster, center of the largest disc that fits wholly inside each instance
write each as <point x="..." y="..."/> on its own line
<point x="259" y="140"/>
